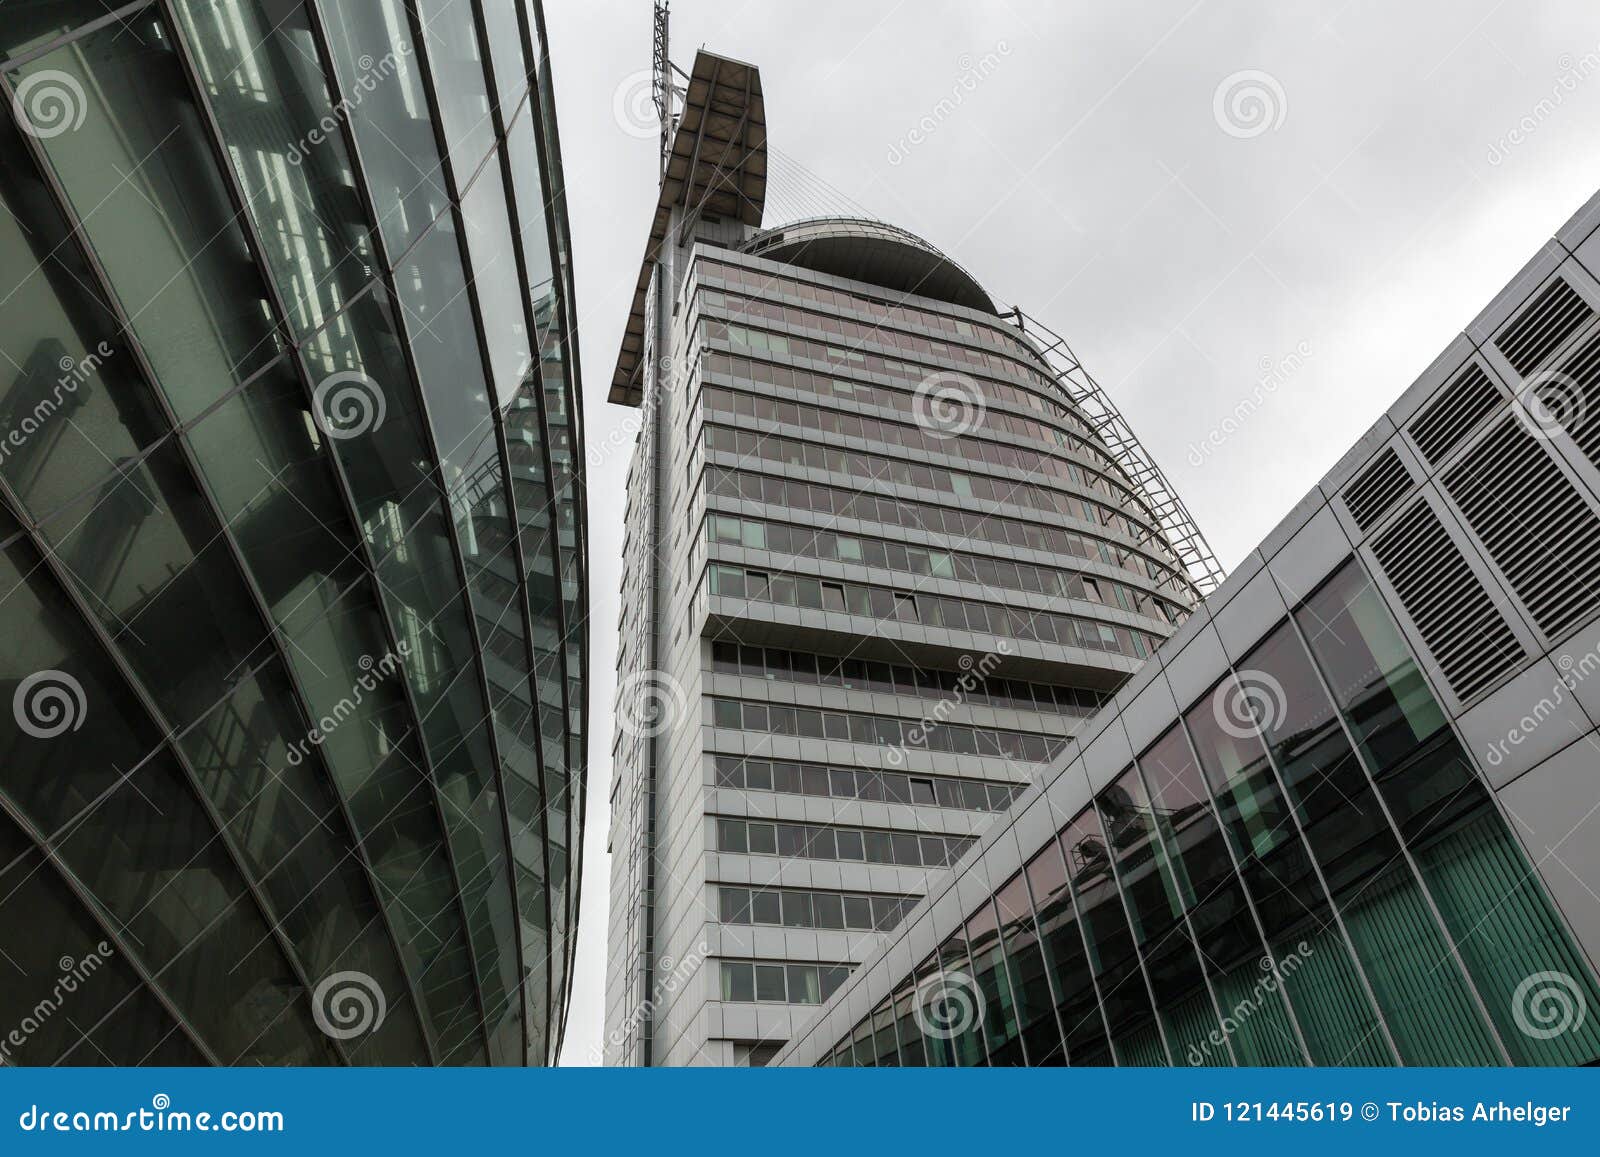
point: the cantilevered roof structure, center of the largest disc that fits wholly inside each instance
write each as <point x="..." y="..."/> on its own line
<point x="716" y="166"/>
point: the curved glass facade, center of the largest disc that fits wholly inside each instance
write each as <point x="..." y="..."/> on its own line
<point x="293" y="535"/>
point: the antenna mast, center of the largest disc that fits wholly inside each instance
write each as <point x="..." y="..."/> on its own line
<point x="663" y="90"/>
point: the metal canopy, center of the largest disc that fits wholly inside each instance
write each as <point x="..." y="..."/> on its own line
<point x="715" y="166"/>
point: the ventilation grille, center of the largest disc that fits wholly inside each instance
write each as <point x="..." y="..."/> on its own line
<point x="1555" y="315"/>
<point x="1533" y="522"/>
<point x="1571" y="398"/>
<point x="1457" y="411"/>
<point x="1378" y="488"/>
<point x="1466" y="635"/>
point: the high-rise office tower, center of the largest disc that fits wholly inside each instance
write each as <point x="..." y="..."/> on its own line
<point x="291" y="535"/>
<point x="1347" y="814"/>
<point x="883" y="555"/>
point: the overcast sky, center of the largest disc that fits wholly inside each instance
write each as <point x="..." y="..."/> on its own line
<point x="1321" y="194"/>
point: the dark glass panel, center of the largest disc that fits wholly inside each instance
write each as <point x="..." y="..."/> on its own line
<point x="1492" y="903"/>
<point x="1424" y="997"/>
<point x="1182" y="998"/>
<point x="1242" y="973"/>
<point x="1136" y="1038"/>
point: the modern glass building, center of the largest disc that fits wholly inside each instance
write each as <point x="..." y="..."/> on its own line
<point x="881" y="562"/>
<point x="1347" y="814"/>
<point x="292" y="584"/>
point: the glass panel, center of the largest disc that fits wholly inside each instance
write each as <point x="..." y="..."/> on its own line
<point x="1425" y="1000"/>
<point x="1330" y="1001"/>
<point x="1491" y="900"/>
<point x="458" y="82"/>
<point x="392" y="128"/>
<point x="152" y="205"/>
<point x="1183" y="1000"/>
<point x="1136" y="1038"/>
<point x="1071" y="986"/>
<point x="1245" y="978"/>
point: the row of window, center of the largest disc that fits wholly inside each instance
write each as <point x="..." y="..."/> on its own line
<point x="957" y="523"/>
<point x="1013" y="364"/>
<point x="827" y="842"/>
<point x="837" y="299"/>
<point x="1400" y="917"/>
<point x="854" y="393"/>
<point x="753" y="445"/>
<point x="930" y="562"/>
<point x="929" y="610"/>
<point x="864" y="783"/>
<point x="884" y="730"/>
<point x="922" y="441"/>
<point x="799" y="908"/>
<point x="895" y="679"/>
<point x="743" y="982"/>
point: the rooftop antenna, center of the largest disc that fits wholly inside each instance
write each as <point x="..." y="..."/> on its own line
<point x="665" y="89"/>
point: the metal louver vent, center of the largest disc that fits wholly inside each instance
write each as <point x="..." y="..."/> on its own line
<point x="1552" y="317"/>
<point x="1536" y="526"/>
<point x="1377" y="488"/>
<point x="1571" y="397"/>
<point x="1454" y="414"/>
<point x="1465" y="633"/>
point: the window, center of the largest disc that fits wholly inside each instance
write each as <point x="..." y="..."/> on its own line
<point x="905" y="608"/>
<point x="833" y="597"/>
<point x="763" y="842"/>
<point x="738" y="982"/>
